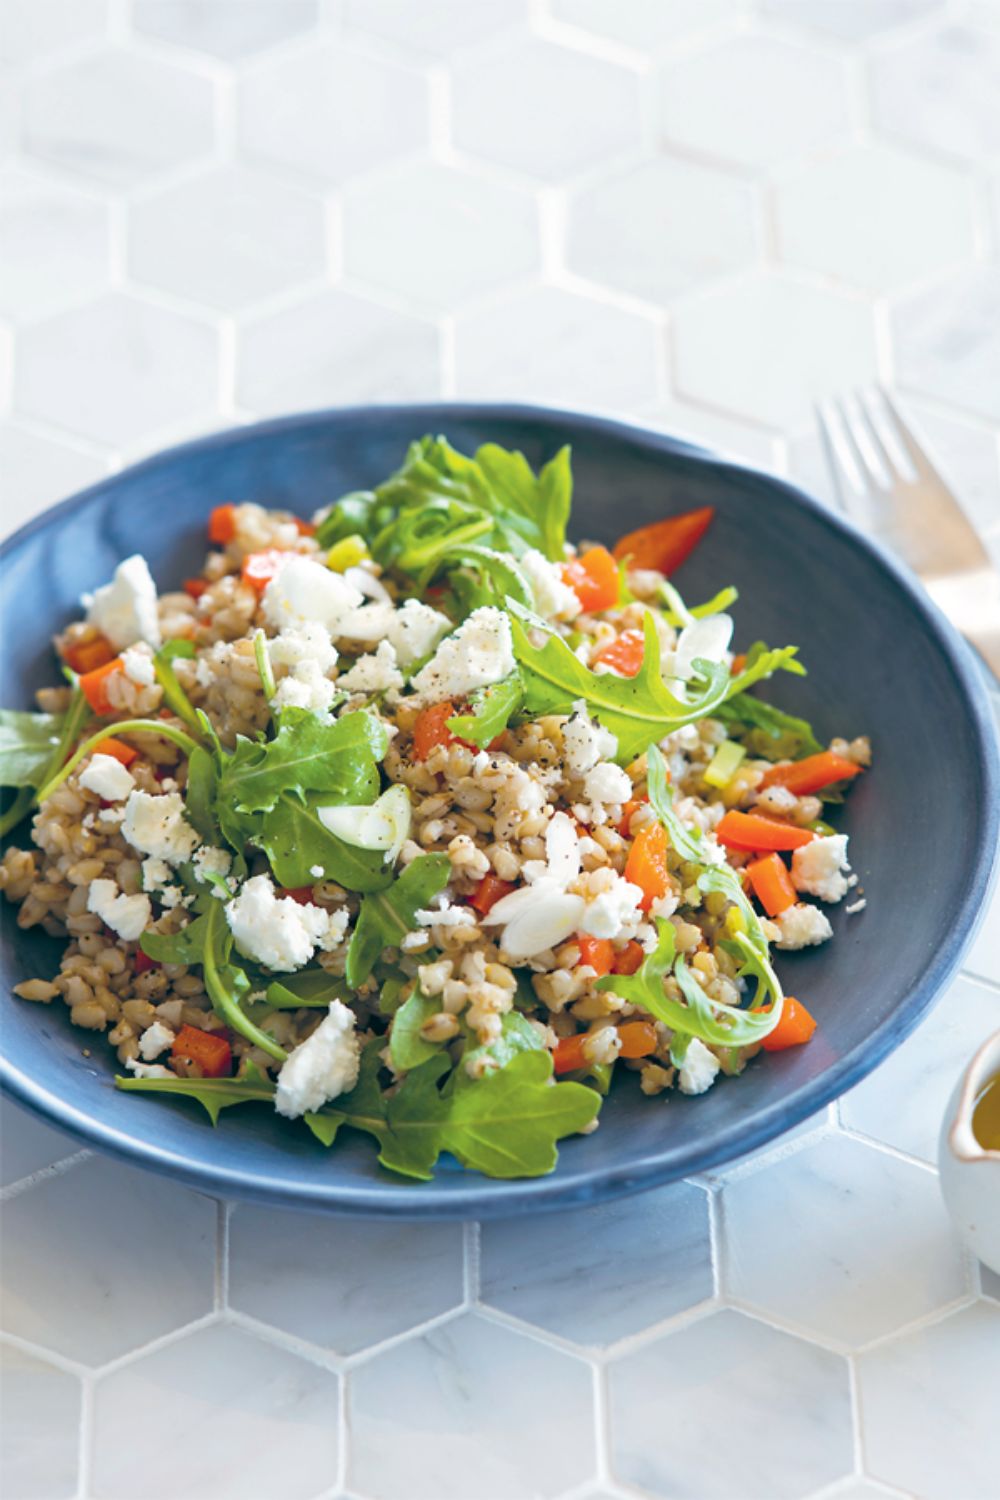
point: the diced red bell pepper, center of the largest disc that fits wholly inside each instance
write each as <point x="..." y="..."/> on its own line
<point x="142" y="963"/>
<point x="646" y="865"/>
<point x="488" y="892"/>
<point x="117" y="749"/>
<point x="772" y="884"/>
<point x="211" y="1052"/>
<point x="628" y="959"/>
<point x="260" y="567"/>
<point x="195" y="587"/>
<point x="222" y="524"/>
<point x="303" y="894"/>
<point x="87" y="656"/>
<point x="597" y="953"/>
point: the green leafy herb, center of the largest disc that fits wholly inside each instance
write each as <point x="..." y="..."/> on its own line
<point x="407" y="1048"/>
<point x="768" y="731"/>
<point x="638" y="710"/>
<point x="490" y="712"/>
<point x="714" y="606"/>
<point x="32" y="749"/>
<point x="215" y="1094"/>
<point x="506" y="1124"/>
<point x="309" y="988"/>
<point x="174" y="695"/>
<point x="386" y="916"/>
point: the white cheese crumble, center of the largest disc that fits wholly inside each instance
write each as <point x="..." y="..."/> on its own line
<point x="154" y="1040"/>
<point x="606" y="783"/>
<point x="698" y="1070"/>
<point x="322" y="1067"/>
<point x="108" y="778"/>
<point x="156" y="825"/>
<point x="147" y="1070"/>
<point x="554" y="599"/>
<point x="479" y="653"/>
<point x="584" y="742"/>
<point x="802" y="926"/>
<point x="125" y="610"/>
<point x="444" y="914"/>
<point x="128" y="916"/>
<point x="304" y="591"/>
<point x="614" y="912"/>
<point x="137" y="662"/>
<point x="279" y="932"/>
<point x="317" y="872"/>
<point x="817" y="867"/>
<point x="373" y="674"/>
<point x="210" y="860"/>
<point x="856" y="906"/>
<point x="309" y="654"/>
<point x="415" y="629"/>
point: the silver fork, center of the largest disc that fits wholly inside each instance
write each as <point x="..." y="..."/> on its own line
<point x="889" y="487"/>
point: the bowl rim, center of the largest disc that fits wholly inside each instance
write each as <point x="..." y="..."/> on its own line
<point x="480" y="1197"/>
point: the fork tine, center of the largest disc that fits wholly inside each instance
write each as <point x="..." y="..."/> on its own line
<point x="922" y="465"/>
<point x="853" y="460"/>
<point x="846" y="492"/>
<point x="880" y="448"/>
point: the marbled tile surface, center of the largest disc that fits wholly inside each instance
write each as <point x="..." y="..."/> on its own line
<point x="702" y="214"/>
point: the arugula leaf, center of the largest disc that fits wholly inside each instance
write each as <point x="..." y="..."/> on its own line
<point x="407" y="1048"/>
<point x="294" y="839"/>
<point x="215" y="1094"/>
<point x="27" y="744"/>
<point x="207" y="941"/>
<point x="351" y="515"/>
<point x="387" y="915"/>
<point x="768" y="731"/>
<point x="491" y="710"/>
<point x="505" y="1124"/>
<point x="308" y="988"/>
<point x="714" y="606"/>
<point x="480" y="576"/>
<point x="638" y="710"/>
<point x="200" y="794"/>
<point x="21" y="752"/>
<point x="306" y="755"/>
<point x="516" y="1035"/>
<point x="174" y="695"/>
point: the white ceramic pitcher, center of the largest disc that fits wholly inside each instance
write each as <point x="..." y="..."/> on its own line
<point x="970" y="1175"/>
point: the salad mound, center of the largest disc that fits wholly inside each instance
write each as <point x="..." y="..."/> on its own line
<point x="419" y="820"/>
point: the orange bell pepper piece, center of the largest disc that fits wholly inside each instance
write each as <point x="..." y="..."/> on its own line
<point x="739" y="830"/>
<point x="222" y="524"/>
<point x="795" y="1027"/>
<point x="646" y="865"/>
<point x="812" y="774"/>
<point x="772" y="884"/>
<point x="118" y="749"/>
<point x="94" y="685"/>
<point x="623" y="655"/>
<point x="208" y="1049"/>
<point x="87" y="656"/>
<point x="488" y="892"/>
<point x="597" y="953"/>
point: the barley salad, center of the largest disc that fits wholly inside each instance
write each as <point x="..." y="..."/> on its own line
<point x="419" y="820"/>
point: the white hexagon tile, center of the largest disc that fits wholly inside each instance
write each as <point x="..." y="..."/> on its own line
<point x="701" y="214"/>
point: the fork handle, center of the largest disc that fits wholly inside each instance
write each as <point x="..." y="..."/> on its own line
<point x="972" y="603"/>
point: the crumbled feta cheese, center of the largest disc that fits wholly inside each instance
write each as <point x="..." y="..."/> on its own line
<point x="279" y="932"/>
<point x="607" y="783"/>
<point x="322" y="1067"/>
<point x="137" y="663"/>
<point x="585" y="743"/>
<point x="817" y="867"/>
<point x="479" y="653"/>
<point x="210" y="860"/>
<point x="147" y="1070"/>
<point x="306" y="688"/>
<point x="109" y="816"/>
<point x="129" y="916"/>
<point x="446" y="915"/>
<point x="371" y="622"/>
<point x="698" y="1070"/>
<point x="124" y="610"/>
<point x="373" y="674"/>
<point x="317" y="872"/>
<point x="156" y="825"/>
<point x="415" y="629"/>
<point x="554" y="599"/>
<point x="304" y="591"/>
<point x="296" y="644"/>
<point x="802" y="926"/>
<point x="154" y="1040"/>
<point x="614" y="912"/>
<point x="108" y="778"/>
<point x="155" y="873"/>
<point x="856" y="906"/>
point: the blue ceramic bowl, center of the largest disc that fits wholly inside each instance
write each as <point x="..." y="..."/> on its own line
<point x="882" y="662"/>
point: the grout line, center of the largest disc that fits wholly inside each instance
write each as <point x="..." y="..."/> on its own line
<point x="85" y="1449"/>
<point x="471" y="1262"/>
<point x="44" y="1174"/>
<point x="224" y="1212"/>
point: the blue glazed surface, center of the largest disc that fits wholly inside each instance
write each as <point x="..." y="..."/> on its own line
<point x="881" y="660"/>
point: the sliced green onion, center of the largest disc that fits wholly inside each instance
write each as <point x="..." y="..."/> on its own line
<point x="724" y="763"/>
<point x="384" y="824"/>
<point x="823" y="829"/>
<point x="263" y="664"/>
